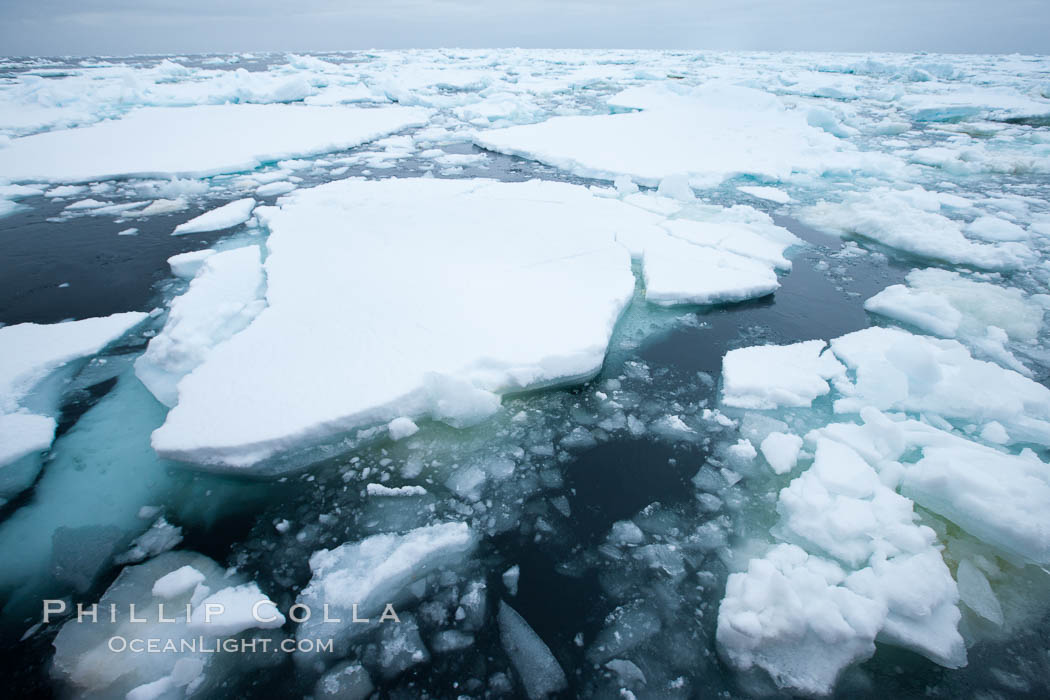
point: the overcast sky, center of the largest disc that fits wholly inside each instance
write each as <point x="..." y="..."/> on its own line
<point x="53" y="27"/>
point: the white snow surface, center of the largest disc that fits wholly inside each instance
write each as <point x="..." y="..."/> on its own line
<point x="707" y="133"/>
<point x="197" y="140"/>
<point x="768" y="376"/>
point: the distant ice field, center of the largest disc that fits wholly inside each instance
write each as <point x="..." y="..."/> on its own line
<point x="614" y="373"/>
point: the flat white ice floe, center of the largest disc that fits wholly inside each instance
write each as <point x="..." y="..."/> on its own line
<point x="476" y="289"/>
<point x="197" y="140"/>
<point x="222" y="299"/>
<point x="226" y="216"/>
<point x="708" y="133"/>
<point x="768" y="376"/>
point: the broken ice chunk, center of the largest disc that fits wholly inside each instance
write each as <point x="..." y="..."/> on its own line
<point x="781" y="451"/>
<point x="356" y="581"/>
<point x="768" y="376"/>
<point x="178" y="582"/>
<point x="790" y="615"/>
<point x="536" y="666"/>
<point x="226" y="216"/>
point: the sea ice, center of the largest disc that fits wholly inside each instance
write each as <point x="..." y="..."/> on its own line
<point x="768" y="376"/>
<point x="358" y="580"/>
<point x="707" y="133"/>
<point x="226" y="216"/>
<point x="87" y="662"/>
<point x="539" y="671"/>
<point x="222" y="299"/>
<point x="539" y="262"/>
<point x="790" y="615"/>
<point x="29" y="353"/>
<point x="196" y="141"/>
<point x="910" y="220"/>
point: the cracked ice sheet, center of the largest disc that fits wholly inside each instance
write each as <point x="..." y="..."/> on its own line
<point x="195" y="141"/>
<point x="477" y="287"/>
<point x="709" y="133"/>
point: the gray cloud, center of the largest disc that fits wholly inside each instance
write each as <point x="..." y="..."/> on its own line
<point x="52" y="27"/>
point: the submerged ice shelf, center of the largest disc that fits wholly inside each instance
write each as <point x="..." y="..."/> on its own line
<point x="483" y="326"/>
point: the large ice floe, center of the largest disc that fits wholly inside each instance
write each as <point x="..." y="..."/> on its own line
<point x="855" y="563"/>
<point x="196" y="140"/>
<point x="708" y="133"/>
<point x="515" y="286"/>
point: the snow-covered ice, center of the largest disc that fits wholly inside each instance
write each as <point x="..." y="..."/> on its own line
<point x="226" y="216"/>
<point x="202" y="145"/>
<point x="767" y="376"/>
<point x="223" y="298"/>
<point x="707" y="133"/>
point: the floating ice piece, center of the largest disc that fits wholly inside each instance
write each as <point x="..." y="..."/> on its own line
<point x="401" y="428"/>
<point x="949" y="305"/>
<point x="895" y="370"/>
<point x="186" y="265"/>
<point x="381" y="490"/>
<point x="770" y="193"/>
<point x="781" y="451"/>
<point x="31" y="351"/>
<point x="233" y="610"/>
<point x="222" y="299"/>
<point x="713" y="132"/>
<point x="196" y="140"/>
<point x="344" y="681"/>
<point x="272" y="189"/>
<point x="536" y="666"/>
<point x="1000" y="499"/>
<point x="358" y="579"/>
<point x="22" y="437"/>
<point x="677" y="272"/>
<point x="909" y="220"/>
<point x="992" y="228"/>
<point x="226" y="216"/>
<point x="977" y="593"/>
<point x="89" y="664"/>
<point x="178" y="582"/>
<point x="770" y="376"/>
<point x="537" y="260"/>
<point x="840" y="507"/>
<point x="790" y="615"/>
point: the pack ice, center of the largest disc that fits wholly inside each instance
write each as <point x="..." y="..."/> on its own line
<point x="476" y="289"/>
<point x="853" y="563"/>
<point x="707" y="133"/>
<point x="29" y="354"/>
<point x="195" y="141"/>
